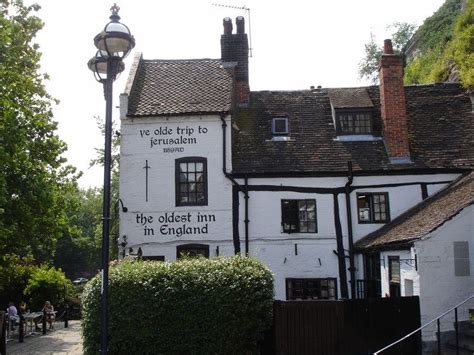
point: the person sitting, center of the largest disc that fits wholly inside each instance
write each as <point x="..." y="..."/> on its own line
<point x="12" y="313"/>
<point x="48" y="311"/>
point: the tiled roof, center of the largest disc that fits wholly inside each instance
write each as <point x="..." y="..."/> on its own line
<point x="350" y="98"/>
<point x="440" y="124"/>
<point x="176" y="87"/>
<point x="424" y="217"/>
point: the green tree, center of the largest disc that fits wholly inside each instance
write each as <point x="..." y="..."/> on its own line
<point x="47" y="283"/>
<point x="368" y="66"/>
<point x="446" y="47"/>
<point x="114" y="185"/>
<point x="33" y="176"/>
<point x="78" y="252"/>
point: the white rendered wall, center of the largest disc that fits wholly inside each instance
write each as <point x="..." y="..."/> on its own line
<point x="144" y="222"/>
<point x="265" y="223"/>
<point x="150" y="216"/>
<point x="440" y="289"/>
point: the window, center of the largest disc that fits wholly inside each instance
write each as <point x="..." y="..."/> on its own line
<point x="280" y="126"/>
<point x="311" y="289"/>
<point x="354" y="123"/>
<point x="192" y="250"/>
<point x="298" y="216"/>
<point x="373" y="207"/>
<point x="394" y="275"/>
<point x="461" y="258"/>
<point x="191" y="181"/>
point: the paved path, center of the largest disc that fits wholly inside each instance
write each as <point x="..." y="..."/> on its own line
<point x="61" y="341"/>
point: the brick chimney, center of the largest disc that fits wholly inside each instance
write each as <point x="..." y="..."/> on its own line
<point x="393" y="106"/>
<point x="235" y="50"/>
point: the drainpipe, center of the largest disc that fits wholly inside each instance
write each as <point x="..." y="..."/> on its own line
<point x="229" y="176"/>
<point x="349" y="229"/>
<point x="246" y="221"/>
<point x="224" y="152"/>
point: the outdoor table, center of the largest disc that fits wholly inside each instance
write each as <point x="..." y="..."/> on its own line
<point x="29" y="317"/>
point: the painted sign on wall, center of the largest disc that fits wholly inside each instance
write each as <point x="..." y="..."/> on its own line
<point x="175" y="224"/>
<point x="166" y="136"/>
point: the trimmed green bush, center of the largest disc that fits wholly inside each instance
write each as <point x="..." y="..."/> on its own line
<point x="192" y="306"/>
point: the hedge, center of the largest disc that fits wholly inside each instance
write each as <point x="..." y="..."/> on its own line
<point x="192" y="306"/>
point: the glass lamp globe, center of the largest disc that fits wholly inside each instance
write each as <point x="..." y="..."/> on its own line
<point x="116" y="39"/>
<point x="99" y="63"/>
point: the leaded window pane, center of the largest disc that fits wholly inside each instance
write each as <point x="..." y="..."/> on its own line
<point x="299" y="216"/>
<point x="354" y="123"/>
<point x="372" y="207"/>
<point x="191" y="184"/>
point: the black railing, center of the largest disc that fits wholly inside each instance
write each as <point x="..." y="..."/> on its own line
<point x="438" y="326"/>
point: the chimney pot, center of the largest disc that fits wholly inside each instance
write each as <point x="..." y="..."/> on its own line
<point x="227" y="25"/>
<point x="387" y="46"/>
<point x="240" y="23"/>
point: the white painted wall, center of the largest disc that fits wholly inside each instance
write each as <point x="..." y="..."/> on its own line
<point x="440" y="289"/>
<point x="265" y="222"/>
<point x="435" y="281"/>
<point x="146" y="223"/>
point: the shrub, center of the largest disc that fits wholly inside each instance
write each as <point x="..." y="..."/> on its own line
<point x="47" y="283"/>
<point x="193" y="306"/>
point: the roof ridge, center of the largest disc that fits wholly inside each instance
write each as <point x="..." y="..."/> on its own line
<point x="182" y="60"/>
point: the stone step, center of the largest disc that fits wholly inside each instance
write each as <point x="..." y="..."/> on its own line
<point x="446" y="350"/>
<point x="466" y="343"/>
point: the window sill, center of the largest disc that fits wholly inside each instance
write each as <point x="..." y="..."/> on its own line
<point x="280" y="139"/>
<point x="357" y="138"/>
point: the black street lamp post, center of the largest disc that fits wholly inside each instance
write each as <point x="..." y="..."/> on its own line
<point x="114" y="43"/>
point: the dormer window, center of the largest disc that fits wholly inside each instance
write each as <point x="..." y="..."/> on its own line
<point x="280" y="126"/>
<point x="353" y="122"/>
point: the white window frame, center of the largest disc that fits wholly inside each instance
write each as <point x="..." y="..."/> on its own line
<point x="274" y="132"/>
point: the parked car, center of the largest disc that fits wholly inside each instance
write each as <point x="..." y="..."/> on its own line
<point x="80" y="281"/>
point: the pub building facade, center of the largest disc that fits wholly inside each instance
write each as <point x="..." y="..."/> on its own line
<point x="293" y="178"/>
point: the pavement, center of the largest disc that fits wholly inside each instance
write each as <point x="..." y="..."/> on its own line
<point x="60" y="341"/>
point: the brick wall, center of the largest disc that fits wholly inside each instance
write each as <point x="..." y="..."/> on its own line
<point x="393" y="104"/>
<point x="235" y="48"/>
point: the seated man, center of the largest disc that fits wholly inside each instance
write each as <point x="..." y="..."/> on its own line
<point x="12" y="313"/>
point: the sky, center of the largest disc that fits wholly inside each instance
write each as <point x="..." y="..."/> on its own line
<point x="295" y="44"/>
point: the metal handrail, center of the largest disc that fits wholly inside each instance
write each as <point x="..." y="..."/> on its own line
<point x="424" y="326"/>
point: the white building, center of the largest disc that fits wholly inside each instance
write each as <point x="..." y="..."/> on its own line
<point x="428" y="252"/>
<point x="294" y="178"/>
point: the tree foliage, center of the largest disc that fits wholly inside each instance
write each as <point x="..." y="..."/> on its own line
<point x="114" y="183"/>
<point x="78" y="252"/>
<point x="14" y="275"/>
<point x="368" y="66"/>
<point x="34" y="179"/>
<point x="47" y="284"/>
<point x="445" y="47"/>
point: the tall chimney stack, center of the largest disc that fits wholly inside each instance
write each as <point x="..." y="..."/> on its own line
<point x="235" y="49"/>
<point x="393" y="106"/>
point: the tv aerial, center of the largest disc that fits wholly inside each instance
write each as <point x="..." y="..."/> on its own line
<point x="247" y="12"/>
